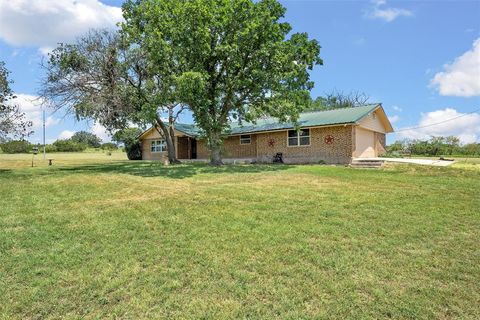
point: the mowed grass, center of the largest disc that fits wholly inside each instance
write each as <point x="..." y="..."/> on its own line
<point x="19" y="161"/>
<point x="138" y="240"/>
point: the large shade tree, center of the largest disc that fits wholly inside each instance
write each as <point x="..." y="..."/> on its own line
<point x="238" y="59"/>
<point x="12" y="121"/>
<point x="105" y="77"/>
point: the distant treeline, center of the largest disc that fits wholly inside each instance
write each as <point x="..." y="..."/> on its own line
<point x="435" y="146"/>
<point x="66" y="145"/>
<point x="80" y="141"/>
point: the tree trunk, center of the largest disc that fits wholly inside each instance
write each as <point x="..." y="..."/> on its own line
<point x="215" y="143"/>
<point x="171" y="122"/>
<point x="170" y="140"/>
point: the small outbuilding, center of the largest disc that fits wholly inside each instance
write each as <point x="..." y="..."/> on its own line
<point x="333" y="136"/>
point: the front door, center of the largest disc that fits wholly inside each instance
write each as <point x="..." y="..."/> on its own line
<point x="193" y="144"/>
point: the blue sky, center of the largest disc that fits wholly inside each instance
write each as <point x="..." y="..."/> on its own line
<point x="421" y="59"/>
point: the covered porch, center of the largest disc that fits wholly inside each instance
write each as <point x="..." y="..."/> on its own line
<point x="186" y="148"/>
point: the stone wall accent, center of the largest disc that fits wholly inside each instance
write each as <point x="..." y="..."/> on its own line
<point x="340" y="151"/>
<point x="354" y="139"/>
<point x="380" y="143"/>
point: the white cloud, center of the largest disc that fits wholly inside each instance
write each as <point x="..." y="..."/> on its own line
<point x="32" y="107"/>
<point x="378" y="11"/>
<point x="397" y="108"/>
<point x="464" y="126"/>
<point x="101" y="132"/>
<point x="44" y="23"/>
<point x="66" y="134"/>
<point x="462" y="77"/>
<point x="394" y="118"/>
<point x="45" y="50"/>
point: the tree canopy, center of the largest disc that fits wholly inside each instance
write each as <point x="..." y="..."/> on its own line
<point x="87" y="138"/>
<point x="108" y="77"/>
<point x="231" y="59"/>
<point x="12" y="120"/>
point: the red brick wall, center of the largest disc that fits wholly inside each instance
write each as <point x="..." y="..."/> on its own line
<point x="340" y="151"/>
<point x="380" y="143"/>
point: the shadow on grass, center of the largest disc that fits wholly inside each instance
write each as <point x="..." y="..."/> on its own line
<point x="157" y="169"/>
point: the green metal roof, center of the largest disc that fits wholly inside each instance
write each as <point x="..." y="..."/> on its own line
<point x="190" y="129"/>
<point x="306" y="119"/>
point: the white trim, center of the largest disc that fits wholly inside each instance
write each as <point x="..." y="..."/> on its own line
<point x="162" y="144"/>
<point x="298" y="138"/>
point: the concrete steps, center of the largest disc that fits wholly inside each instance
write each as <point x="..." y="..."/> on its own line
<point x="366" y="163"/>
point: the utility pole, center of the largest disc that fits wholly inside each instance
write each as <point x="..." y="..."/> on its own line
<point x="43" y="133"/>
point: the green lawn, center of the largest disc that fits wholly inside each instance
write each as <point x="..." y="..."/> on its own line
<point x="130" y="240"/>
<point x="19" y="161"/>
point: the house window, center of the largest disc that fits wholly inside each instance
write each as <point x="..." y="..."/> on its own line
<point x="245" y="139"/>
<point x="158" y="146"/>
<point x="299" y="138"/>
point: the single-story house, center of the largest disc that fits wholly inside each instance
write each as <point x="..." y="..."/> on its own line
<point x="333" y="136"/>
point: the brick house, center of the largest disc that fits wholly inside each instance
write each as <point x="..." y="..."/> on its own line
<point x="334" y="136"/>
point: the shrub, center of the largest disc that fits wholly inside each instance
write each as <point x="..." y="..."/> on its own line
<point x="16" y="146"/>
<point x="129" y="137"/>
<point x="109" y="146"/>
<point x="134" y="150"/>
<point x="392" y="154"/>
<point x="69" y="146"/>
<point x="435" y="146"/>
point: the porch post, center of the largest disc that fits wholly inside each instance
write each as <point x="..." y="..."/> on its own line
<point x="176" y="146"/>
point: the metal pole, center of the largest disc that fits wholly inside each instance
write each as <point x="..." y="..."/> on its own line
<point x="43" y="134"/>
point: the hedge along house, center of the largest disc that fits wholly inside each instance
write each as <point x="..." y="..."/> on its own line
<point x="333" y="136"/>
